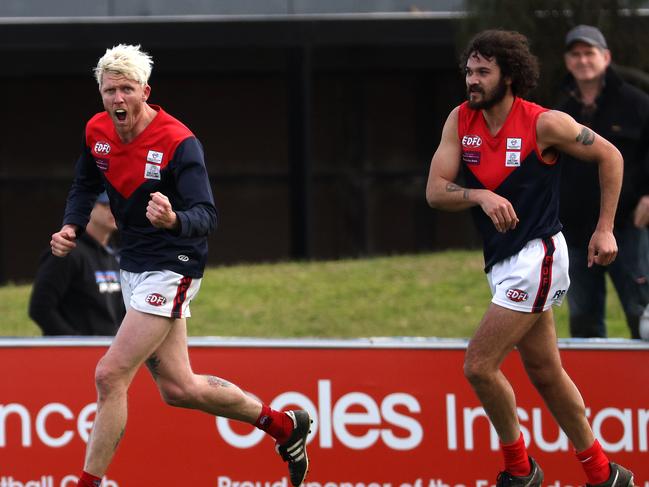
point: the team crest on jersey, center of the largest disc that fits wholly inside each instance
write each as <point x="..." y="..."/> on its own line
<point x="471" y="141"/>
<point x="154" y="156"/>
<point x="514" y="143"/>
<point x="152" y="171"/>
<point x="512" y="159"/>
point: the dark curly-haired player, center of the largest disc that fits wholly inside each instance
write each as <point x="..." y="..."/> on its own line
<point x="508" y="151"/>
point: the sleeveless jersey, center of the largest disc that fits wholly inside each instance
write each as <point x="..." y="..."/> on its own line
<point x="165" y="157"/>
<point x="510" y="164"/>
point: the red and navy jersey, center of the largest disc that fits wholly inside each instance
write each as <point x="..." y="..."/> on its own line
<point x="165" y="157"/>
<point x="510" y="164"/>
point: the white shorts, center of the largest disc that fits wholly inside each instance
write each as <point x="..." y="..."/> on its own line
<point x="163" y="293"/>
<point x="534" y="279"/>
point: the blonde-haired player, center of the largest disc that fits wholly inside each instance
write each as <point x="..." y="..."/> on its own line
<point x="153" y="170"/>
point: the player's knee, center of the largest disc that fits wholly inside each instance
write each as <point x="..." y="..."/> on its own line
<point x="543" y="376"/>
<point x="474" y="372"/>
<point x="177" y="395"/>
<point x="108" y="379"/>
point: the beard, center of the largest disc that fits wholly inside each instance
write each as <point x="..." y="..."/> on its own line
<point x="488" y="99"/>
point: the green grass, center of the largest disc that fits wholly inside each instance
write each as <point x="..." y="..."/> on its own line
<point x="433" y="295"/>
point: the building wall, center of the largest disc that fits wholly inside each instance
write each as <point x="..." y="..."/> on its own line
<point x="75" y="8"/>
<point x="376" y="116"/>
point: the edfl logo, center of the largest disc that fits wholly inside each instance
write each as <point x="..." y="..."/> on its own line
<point x="102" y="148"/>
<point x="471" y="141"/>
<point x="155" y="299"/>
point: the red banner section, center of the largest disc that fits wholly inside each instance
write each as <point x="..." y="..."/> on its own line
<point x="384" y="416"/>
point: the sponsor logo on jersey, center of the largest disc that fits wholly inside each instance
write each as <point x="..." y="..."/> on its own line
<point x="107" y="282"/>
<point x="559" y="294"/>
<point x="471" y="158"/>
<point x="155" y="299"/>
<point x="102" y="148"/>
<point x="154" y="156"/>
<point x="514" y="143"/>
<point x="183" y="258"/>
<point x="471" y="141"/>
<point x="152" y="171"/>
<point x="516" y="295"/>
<point x="102" y="164"/>
<point x="512" y="159"/>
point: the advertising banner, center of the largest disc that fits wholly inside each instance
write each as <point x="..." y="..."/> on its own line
<point x="385" y="415"/>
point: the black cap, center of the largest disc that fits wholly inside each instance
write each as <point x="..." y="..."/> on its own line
<point x="588" y="34"/>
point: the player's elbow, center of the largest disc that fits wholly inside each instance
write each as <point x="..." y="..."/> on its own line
<point x="213" y="220"/>
<point x="612" y="155"/>
<point x="209" y="219"/>
<point x="618" y="157"/>
<point x="433" y="198"/>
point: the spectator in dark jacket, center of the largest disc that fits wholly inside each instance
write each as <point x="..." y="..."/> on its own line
<point x="81" y="294"/>
<point x="598" y="98"/>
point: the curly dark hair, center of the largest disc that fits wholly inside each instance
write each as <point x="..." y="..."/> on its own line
<point x="512" y="53"/>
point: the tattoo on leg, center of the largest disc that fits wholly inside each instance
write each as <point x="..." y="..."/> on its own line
<point x="452" y="188"/>
<point x="586" y="136"/>
<point x="153" y="364"/>
<point x="217" y="381"/>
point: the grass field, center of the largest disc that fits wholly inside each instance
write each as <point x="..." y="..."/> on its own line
<point x="431" y="295"/>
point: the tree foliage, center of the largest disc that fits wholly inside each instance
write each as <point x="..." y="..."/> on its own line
<point x="546" y="22"/>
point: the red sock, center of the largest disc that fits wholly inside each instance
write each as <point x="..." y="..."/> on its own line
<point x="517" y="462"/>
<point x="88" y="480"/>
<point x="595" y="464"/>
<point x="276" y="423"/>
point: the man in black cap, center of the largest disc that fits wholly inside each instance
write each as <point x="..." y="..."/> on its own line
<point x="81" y="295"/>
<point x="599" y="99"/>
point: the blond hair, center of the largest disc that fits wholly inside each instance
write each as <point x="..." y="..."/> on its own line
<point x="126" y="60"/>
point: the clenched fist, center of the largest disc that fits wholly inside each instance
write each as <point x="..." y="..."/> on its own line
<point x="160" y="213"/>
<point x="63" y="241"/>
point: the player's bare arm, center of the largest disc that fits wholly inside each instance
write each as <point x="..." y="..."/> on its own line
<point x="443" y="193"/>
<point x="559" y="131"/>
<point x="63" y="241"/>
<point x="160" y="213"/>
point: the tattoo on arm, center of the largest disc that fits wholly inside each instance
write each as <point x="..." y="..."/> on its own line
<point x="586" y="136"/>
<point x="452" y="188"/>
<point x="217" y="381"/>
<point x="153" y="364"/>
